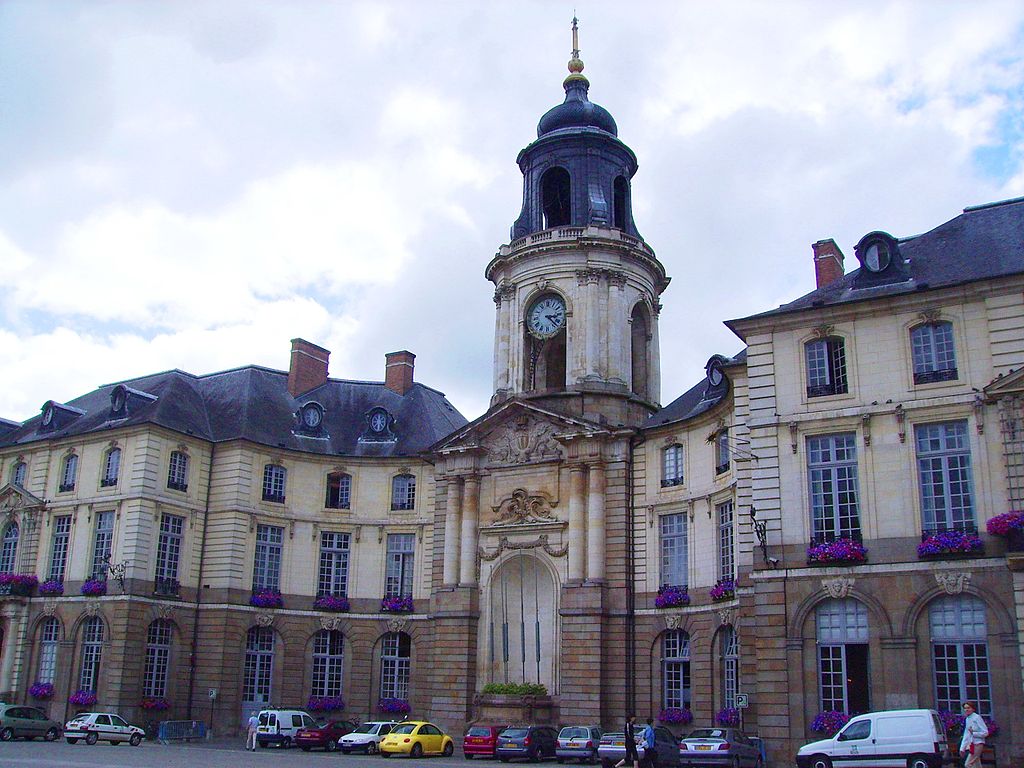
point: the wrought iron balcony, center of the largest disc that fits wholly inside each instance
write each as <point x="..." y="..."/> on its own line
<point x="166" y="586"/>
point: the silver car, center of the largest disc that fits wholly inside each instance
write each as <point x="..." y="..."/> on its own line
<point x="718" y="747"/>
<point x="579" y="742"/>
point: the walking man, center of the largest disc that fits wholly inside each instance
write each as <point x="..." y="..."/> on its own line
<point x="631" y="753"/>
<point x="250" y="734"/>
<point x="647" y="738"/>
<point x="973" y="742"/>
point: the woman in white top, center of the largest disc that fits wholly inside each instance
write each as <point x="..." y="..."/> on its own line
<point x="973" y="742"/>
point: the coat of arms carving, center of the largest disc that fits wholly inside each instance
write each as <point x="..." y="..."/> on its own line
<point x="522" y="440"/>
<point x="838" y="588"/>
<point x="522" y="508"/>
<point x="953" y="583"/>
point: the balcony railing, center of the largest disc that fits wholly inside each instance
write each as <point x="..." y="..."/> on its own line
<point x="66" y="487"/>
<point x="166" y="586"/>
<point x="277" y="498"/>
<point x="930" y="377"/>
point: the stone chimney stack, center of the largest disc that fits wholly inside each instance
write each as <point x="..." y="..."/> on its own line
<point x="308" y="368"/>
<point x="398" y="371"/>
<point x="828" y="262"/>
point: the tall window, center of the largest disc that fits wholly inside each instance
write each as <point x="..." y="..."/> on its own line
<point x="59" y="547"/>
<point x="177" y="471"/>
<point x="328" y="662"/>
<point x="102" y="544"/>
<point x="266" y="566"/>
<point x="556" y="197"/>
<point x="395" y="664"/>
<point x="18" y="473"/>
<point x="274" y="476"/>
<point x="639" y="350"/>
<point x="158" y="659"/>
<point x="722" y="454"/>
<point x="49" y="637"/>
<point x="826" y="366"/>
<point x="168" y="553"/>
<point x="934" y="352"/>
<point x="398" y="579"/>
<point x="730" y="646"/>
<point x="675" y="670"/>
<point x="259" y="665"/>
<point x="68" y="473"/>
<point x="111" y="468"/>
<point x="673" y="550"/>
<point x="843" y="656"/>
<point x="726" y="551"/>
<point x="92" y="651"/>
<point x="9" y="549"/>
<point x="672" y="465"/>
<point x="944" y="475"/>
<point x="620" y="193"/>
<point x="832" y="468"/>
<point x="339" y="491"/>
<point x="959" y="636"/>
<point x="403" y="492"/>
<point x="334" y="549"/>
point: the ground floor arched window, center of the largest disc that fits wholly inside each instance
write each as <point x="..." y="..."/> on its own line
<point x="92" y="653"/>
<point x="843" y="680"/>
<point x="328" y="662"/>
<point x="158" y="659"/>
<point x="730" y="649"/>
<point x="395" y="665"/>
<point x="675" y="670"/>
<point x="49" y="636"/>
<point x="960" y="663"/>
<point x="259" y="667"/>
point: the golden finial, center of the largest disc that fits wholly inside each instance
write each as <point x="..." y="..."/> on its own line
<point x="575" y="63"/>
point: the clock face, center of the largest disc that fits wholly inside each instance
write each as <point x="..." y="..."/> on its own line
<point x="379" y="421"/>
<point x="546" y="317"/>
<point x="311" y="416"/>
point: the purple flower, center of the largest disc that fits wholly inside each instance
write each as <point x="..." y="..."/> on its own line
<point x="671" y="596"/>
<point x="325" y="703"/>
<point x="829" y="722"/>
<point x="396" y="604"/>
<point x="723" y="590"/>
<point x="155" y="703"/>
<point x="94" y="587"/>
<point x="22" y="580"/>
<point x="730" y="716"/>
<point x="52" y="588"/>
<point x="41" y="690"/>
<point x="950" y="542"/>
<point x="676" y="715"/>
<point x="331" y="603"/>
<point x="266" y="598"/>
<point x="838" y="551"/>
<point x="953" y="722"/>
<point x="83" y="698"/>
<point x="394" y="706"/>
<point x="1004" y="524"/>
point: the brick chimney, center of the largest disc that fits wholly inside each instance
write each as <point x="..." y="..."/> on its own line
<point x="398" y="370"/>
<point x="308" y="368"/>
<point x="828" y="262"/>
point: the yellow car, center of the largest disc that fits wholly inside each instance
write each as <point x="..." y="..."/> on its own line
<point x="415" y="739"/>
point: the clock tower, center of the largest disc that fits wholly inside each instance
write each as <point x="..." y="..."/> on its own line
<point x="576" y="289"/>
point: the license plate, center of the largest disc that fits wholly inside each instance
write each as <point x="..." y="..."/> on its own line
<point x="619" y="743"/>
<point x="704" y="747"/>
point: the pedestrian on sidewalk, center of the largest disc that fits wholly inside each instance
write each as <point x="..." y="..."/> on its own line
<point x="250" y="734"/>
<point x="973" y="742"/>
<point x="630" y="743"/>
<point x="647" y="737"/>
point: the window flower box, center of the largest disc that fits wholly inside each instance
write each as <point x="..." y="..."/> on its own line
<point x="671" y="596"/>
<point x="331" y="603"/>
<point x="955" y="543"/>
<point x="394" y="706"/>
<point x="155" y="703"/>
<point x="266" y="598"/>
<point x="41" y="691"/>
<point x="20" y="584"/>
<point x="51" y="588"/>
<point x="399" y="604"/>
<point x="729" y="717"/>
<point x="838" y="552"/>
<point x="676" y="716"/>
<point x="83" y="698"/>
<point x="1011" y="526"/>
<point x="94" y="588"/>
<point x="829" y="722"/>
<point x="725" y="589"/>
<point x="325" y="703"/>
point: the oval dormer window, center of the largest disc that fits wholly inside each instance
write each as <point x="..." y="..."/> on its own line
<point x="48" y="415"/>
<point x="312" y="415"/>
<point x="877" y="251"/>
<point x="117" y="400"/>
<point x="877" y="256"/>
<point x="378" y="421"/>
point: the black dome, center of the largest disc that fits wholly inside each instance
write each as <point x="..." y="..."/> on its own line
<point x="577" y="111"/>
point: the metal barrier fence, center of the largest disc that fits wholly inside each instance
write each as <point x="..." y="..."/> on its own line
<point x="183" y="730"/>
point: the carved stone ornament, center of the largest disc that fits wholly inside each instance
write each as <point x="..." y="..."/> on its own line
<point x="540" y="542"/>
<point x="330" y="623"/>
<point x="92" y="608"/>
<point x="264" y="618"/>
<point x="397" y="624"/>
<point x="164" y="611"/>
<point x="522" y="508"/>
<point x="931" y="314"/>
<point x="50" y="608"/>
<point x="953" y="583"/>
<point x="521" y="441"/>
<point x="673" y="620"/>
<point x="823" y="331"/>
<point x="838" y="588"/>
<point x="725" y="616"/>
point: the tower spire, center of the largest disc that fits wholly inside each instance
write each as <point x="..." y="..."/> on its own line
<point x="575" y="63"/>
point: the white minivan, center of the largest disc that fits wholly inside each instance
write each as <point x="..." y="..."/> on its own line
<point x="279" y="726"/>
<point x="897" y="738"/>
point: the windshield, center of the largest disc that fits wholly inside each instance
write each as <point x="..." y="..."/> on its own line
<point x="366" y="728"/>
<point x="479" y="731"/>
<point x="404" y="728"/>
<point x="574" y="733"/>
<point x="514" y="733"/>
<point x="707" y="733"/>
<point x="264" y="718"/>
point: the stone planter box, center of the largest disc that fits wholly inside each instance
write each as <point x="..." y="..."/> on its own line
<point x="499" y="708"/>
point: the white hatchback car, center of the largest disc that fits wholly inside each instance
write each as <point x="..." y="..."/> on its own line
<point x="366" y="738"/>
<point x="102" y="726"/>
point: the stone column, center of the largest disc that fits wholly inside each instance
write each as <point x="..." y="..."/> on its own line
<point x="618" y="321"/>
<point x="503" y="330"/>
<point x="654" y="395"/>
<point x="577" y="512"/>
<point x="452" y="521"/>
<point x="470" y="522"/>
<point x="593" y="368"/>
<point x="500" y="369"/>
<point x="595" y="524"/>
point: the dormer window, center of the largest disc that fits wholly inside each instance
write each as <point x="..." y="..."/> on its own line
<point x="118" y="401"/>
<point x="57" y="416"/>
<point x="826" y="366"/>
<point x="311" y="417"/>
<point x="934" y="352"/>
<point x="111" y="468"/>
<point x="378" y="426"/>
<point x="123" y="400"/>
<point x="274" y="478"/>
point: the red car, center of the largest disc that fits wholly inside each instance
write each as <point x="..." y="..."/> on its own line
<point x="481" y="740"/>
<point x="325" y="735"/>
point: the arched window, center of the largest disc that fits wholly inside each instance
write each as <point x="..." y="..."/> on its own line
<point x="328" y="662"/>
<point x="177" y="471"/>
<point x="49" y="636"/>
<point x="274" y="478"/>
<point x="672" y="465"/>
<point x="556" y="197"/>
<point x="9" y="549"/>
<point x="259" y="666"/>
<point x="826" y="366"/>
<point x="639" y="334"/>
<point x="675" y="670"/>
<point x="842" y="627"/>
<point x="933" y="352"/>
<point x="403" y="492"/>
<point x="621" y="205"/>
<point x="69" y="473"/>
<point x="730" y="649"/>
<point x="18" y="473"/>
<point x="158" y="659"/>
<point x="339" y="491"/>
<point x="959" y="636"/>
<point x="395" y="664"/>
<point x="92" y="652"/>
<point x="111" y="468"/>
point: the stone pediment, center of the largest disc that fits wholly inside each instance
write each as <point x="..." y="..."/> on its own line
<point x="1011" y="383"/>
<point x="14" y="498"/>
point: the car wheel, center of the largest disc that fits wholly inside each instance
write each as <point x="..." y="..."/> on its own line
<point x="448" y="750"/>
<point x="372" y="748"/>
<point x="331" y="745"/>
<point x="6" y="734"/>
<point x="91" y="738"/>
<point x="534" y="756"/>
<point x="72" y="741"/>
<point x="919" y="761"/>
<point x="385" y="754"/>
<point x="820" y="761"/>
<point x="113" y="742"/>
<point x="52" y="735"/>
<point x="416" y="751"/>
<point x="467" y="755"/>
<point x="135" y="740"/>
<point x="286" y="742"/>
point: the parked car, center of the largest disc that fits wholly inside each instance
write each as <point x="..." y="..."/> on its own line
<point x="718" y="746"/>
<point x="416" y="738"/>
<point x="913" y="738"/>
<point x="26" y="722"/>
<point x="481" y="740"/>
<point x="613" y="748"/>
<point x="281" y="726"/>
<point x="532" y="742"/>
<point x="366" y="737"/>
<point x="102" y="726"/>
<point x="579" y="742"/>
<point x="324" y="735"/>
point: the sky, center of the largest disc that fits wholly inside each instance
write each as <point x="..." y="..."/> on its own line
<point x="193" y="184"/>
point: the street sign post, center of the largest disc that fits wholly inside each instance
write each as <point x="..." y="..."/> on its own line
<point x="742" y="701"/>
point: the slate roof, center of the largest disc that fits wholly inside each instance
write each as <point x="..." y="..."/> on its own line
<point x="984" y="242"/>
<point x="699" y="399"/>
<point x="252" y="403"/>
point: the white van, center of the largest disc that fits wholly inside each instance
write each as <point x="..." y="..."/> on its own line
<point x="279" y="726"/>
<point x="898" y="738"/>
